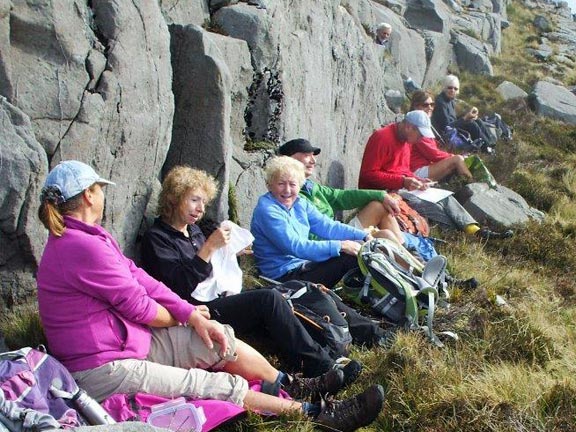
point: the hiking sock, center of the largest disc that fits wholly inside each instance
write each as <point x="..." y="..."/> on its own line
<point x="273" y="388"/>
<point x="311" y="409"/>
<point x="471" y="229"/>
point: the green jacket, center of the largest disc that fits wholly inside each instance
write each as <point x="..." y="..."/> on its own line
<point x="329" y="200"/>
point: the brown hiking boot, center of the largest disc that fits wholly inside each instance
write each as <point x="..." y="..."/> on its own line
<point x="351" y="414"/>
<point x="315" y="388"/>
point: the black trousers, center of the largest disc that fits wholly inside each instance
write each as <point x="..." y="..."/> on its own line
<point x="363" y="330"/>
<point x="327" y="273"/>
<point x="264" y="313"/>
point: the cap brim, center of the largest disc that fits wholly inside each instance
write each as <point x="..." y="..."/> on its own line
<point x="316" y="151"/>
<point x="426" y="132"/>
<point x="104" y="181"/>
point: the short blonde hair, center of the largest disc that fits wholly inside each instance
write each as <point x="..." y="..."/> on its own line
<point x="285" y="167"/>
<point x="451" y="80"/>
<point x="178" y="182"/>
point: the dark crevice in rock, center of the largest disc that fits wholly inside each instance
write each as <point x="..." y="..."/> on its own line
<point x="264" y="109"/>
<point x="94" y="26"/>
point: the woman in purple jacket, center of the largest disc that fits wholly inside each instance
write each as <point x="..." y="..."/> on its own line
<point x="118" y="330"/>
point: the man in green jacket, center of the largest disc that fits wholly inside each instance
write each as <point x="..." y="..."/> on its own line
<point x="376" y="207"/>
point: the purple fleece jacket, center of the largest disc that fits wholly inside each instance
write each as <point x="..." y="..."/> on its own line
<point x="94" y="302"/>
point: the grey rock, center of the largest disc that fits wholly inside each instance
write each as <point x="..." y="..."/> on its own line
<point x="500" y="207"/>
<point x="395" y="99"/>
<point x="23" y="169"/>
<point x="217" y="4"/>
<point x="554" y="101"/>
<point x="6" y="88"/>
<point x="430" y="15"/>
<point x="55" y="45"/>
<point x="542" y="23"/>
<point x="484" y="27"/>
<point x="471" y="54"/>
<point x="543" y="52"/>
<point x="201" y="132"/>
<point x="186" y="11"/>
<point x="509" y="90"/>
<point x="254" y="26"/>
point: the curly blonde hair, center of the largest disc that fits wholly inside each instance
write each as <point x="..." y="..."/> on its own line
<point x="285" y="167"/>
<point x="178" y="182"/>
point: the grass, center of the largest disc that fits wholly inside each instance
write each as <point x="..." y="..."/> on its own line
<point x="513" y="368"/>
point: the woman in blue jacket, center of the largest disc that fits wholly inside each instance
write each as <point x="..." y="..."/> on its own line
<point x="282" y="223"/>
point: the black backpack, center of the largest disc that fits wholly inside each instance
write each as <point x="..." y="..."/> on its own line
<point x="318" y="312"/>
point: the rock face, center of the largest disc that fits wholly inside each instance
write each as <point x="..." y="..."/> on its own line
<point x="22" y="237"/>
<point x="134" y="88"/>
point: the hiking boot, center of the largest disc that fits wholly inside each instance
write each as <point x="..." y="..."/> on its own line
<point x="465" y="284"/>
<point x="488" y="234"/>
<point x="329" y="383"/>
<point x="351" y="414"/>
<point x="351" y="369"/>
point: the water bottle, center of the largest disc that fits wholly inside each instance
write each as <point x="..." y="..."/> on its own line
<point x="91" y="409"/>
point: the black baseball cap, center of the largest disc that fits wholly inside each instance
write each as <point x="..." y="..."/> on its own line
<point x="298" y="145"/>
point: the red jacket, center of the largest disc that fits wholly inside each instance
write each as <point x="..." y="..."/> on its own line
<point x="426" y="152"/>
<point x="386" y="160"/>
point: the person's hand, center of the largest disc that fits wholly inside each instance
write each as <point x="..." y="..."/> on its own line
<point x="391" y="205"/>
<point x="350" y="247"/>
<point x="472" y="114"/>
<point x="219" y="238"/>
<point x="246" y="251"/>
<point x="209" y="331"/>
<point x="412" y="183"/>
<point x="204" y="311"/>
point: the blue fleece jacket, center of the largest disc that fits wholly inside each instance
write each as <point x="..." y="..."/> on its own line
<point x="281" y="240"/>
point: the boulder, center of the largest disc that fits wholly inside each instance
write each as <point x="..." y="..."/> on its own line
<point x="542" y="23"/>
<point x="554" y="101"/>
<point x="500" y="207"/>
<point x="543" y="52"/>
<point x="472" y="55"/>
<point x="485" y="27"/>
<point x="254" y="26"/>
<point x="202" y="87"/>
<point x="430" y="15"/>
<point x="510" y="90"/>
<point x="22" y="236"/>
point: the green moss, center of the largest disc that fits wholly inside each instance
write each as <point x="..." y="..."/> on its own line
<point x="232" y="204"/>
<point x="254" y="146"/>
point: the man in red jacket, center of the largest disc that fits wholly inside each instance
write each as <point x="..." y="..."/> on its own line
<point x="386" y="165"/>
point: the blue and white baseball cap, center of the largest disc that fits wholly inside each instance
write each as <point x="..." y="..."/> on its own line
<point x="71" y="178"/>
<point x="421" y="120"/>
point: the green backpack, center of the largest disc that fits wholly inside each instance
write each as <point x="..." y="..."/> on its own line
<point x="397" y="286"/>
